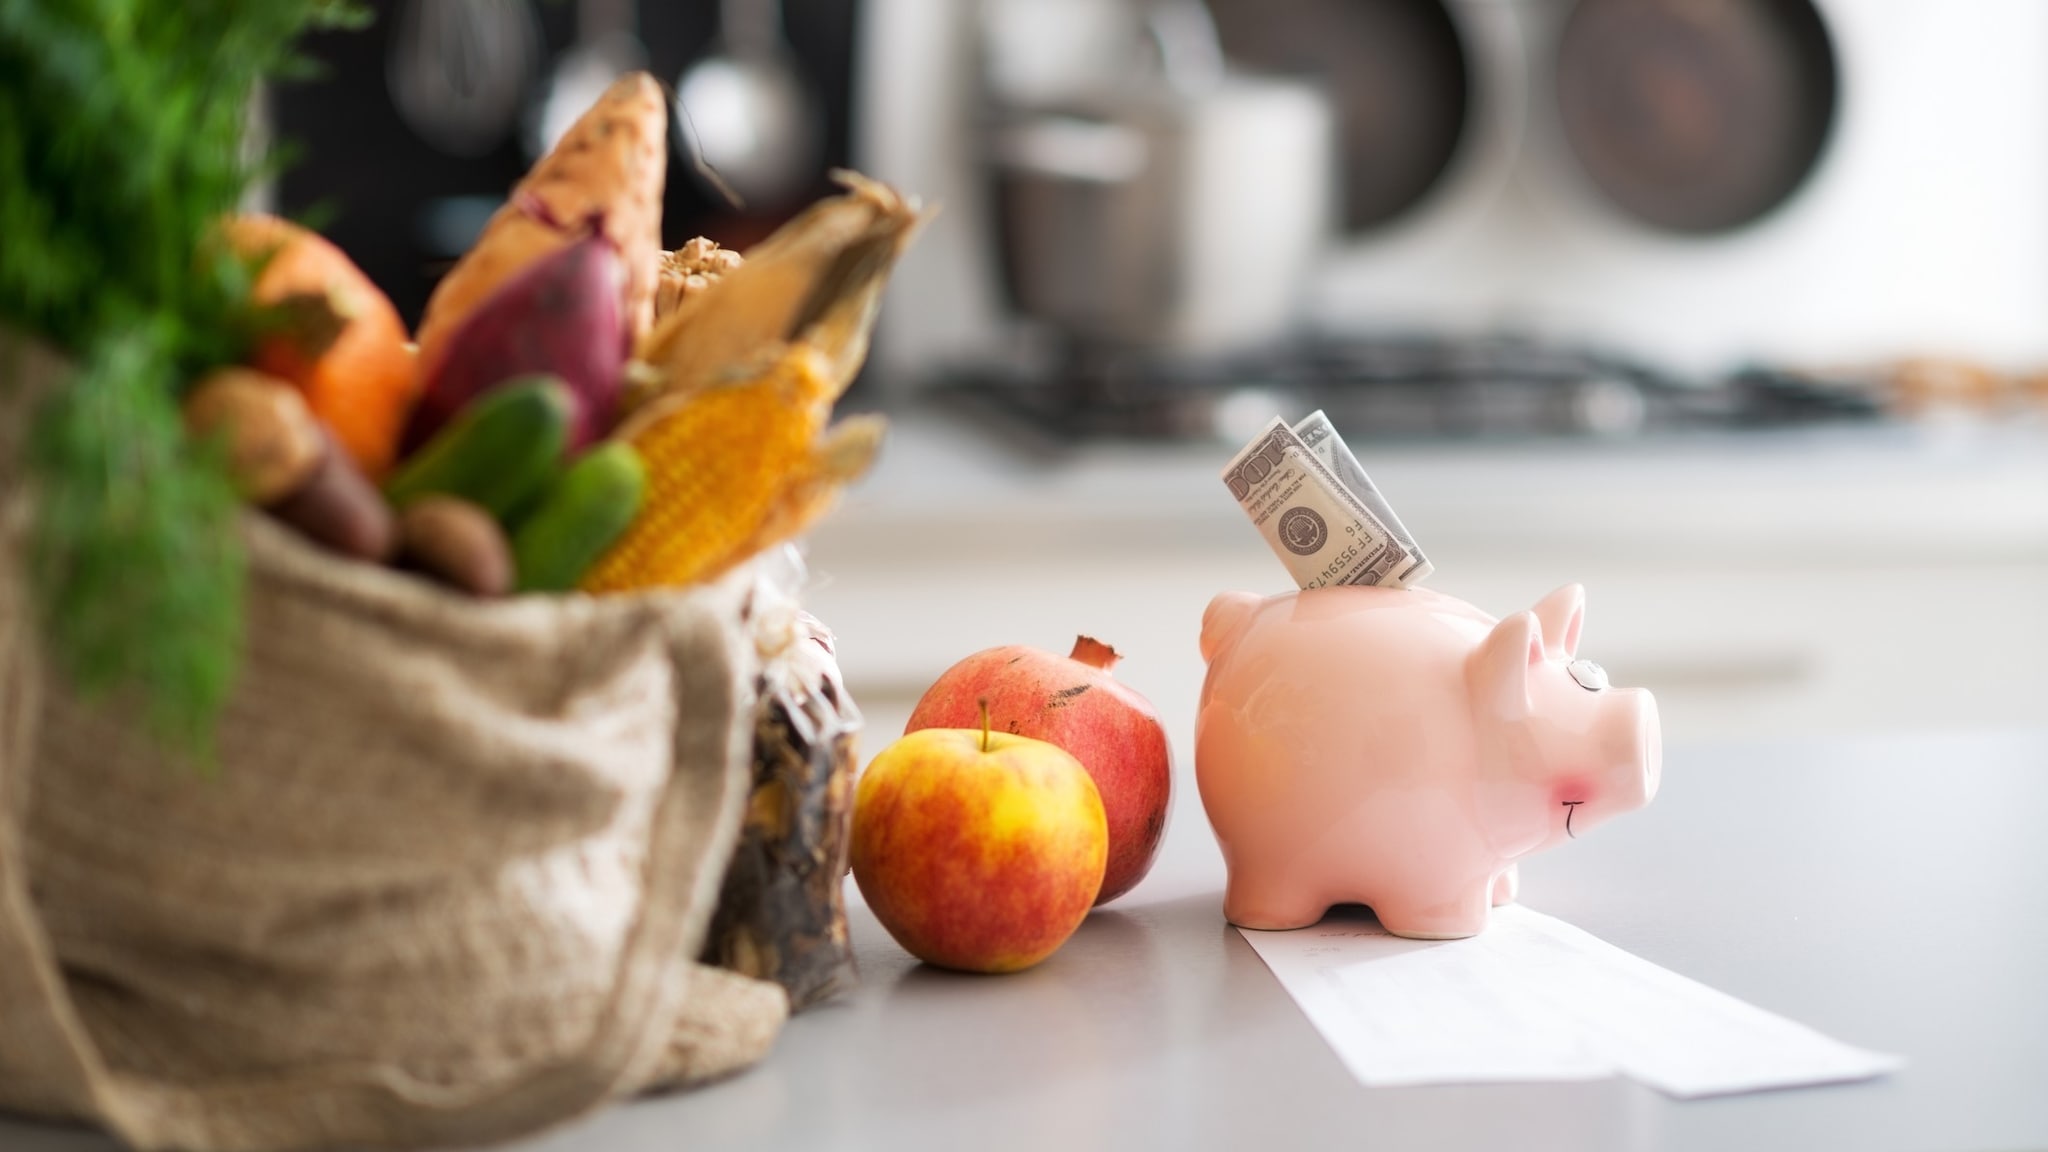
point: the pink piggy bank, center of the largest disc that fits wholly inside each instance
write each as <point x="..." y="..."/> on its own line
<point x="1402" y="749"/>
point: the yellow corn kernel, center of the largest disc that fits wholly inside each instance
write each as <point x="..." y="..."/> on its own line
<point x="842" y="454"/>
<point x="719" y="462"/>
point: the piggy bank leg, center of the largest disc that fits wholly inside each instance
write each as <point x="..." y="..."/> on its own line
<point x="1506" y="885"/>
<point x="1276" y="901"/>
<point x="1454" y="918"/>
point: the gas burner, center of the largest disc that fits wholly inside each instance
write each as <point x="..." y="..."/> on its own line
<point x="1397" y="388"/>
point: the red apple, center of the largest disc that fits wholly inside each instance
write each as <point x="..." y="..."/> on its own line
<point x="1074" y="702"/>
<point x="977" y="850"/>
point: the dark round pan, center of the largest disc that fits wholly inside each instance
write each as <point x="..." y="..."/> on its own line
<point x="1696" y="116"/>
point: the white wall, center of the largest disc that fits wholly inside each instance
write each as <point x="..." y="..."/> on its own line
<point x="1925" y="230"/>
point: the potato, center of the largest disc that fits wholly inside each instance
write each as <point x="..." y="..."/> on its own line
<point x="272" y="440"/>
<point x="341" y="509"/>
<point x="457" y="542"/>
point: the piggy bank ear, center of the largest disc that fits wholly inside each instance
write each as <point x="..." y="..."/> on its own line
<point x="1500" y="669"/>
<point x="1563" y="614"/>
<point x="1225" y="618"/>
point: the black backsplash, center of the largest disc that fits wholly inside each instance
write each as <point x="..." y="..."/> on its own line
<point x="366" y="177"/>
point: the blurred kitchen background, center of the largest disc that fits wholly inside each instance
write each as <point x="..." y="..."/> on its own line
<point x="1735" y="311"/>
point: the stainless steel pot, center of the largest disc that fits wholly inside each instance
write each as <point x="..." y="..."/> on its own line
<point x="1178" y="212"/>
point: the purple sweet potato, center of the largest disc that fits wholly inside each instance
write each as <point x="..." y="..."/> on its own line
<point x="564" y="315"/>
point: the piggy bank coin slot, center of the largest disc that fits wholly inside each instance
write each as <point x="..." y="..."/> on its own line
<point x="1589" y="675"/>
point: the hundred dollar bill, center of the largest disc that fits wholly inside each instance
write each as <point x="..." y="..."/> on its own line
<point x="1322" y="438"/>
<point x="1317" y="528"/>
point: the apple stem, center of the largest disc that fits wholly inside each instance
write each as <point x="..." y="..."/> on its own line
<point x="984" y="723"/>
<point x="1094" y="653"/>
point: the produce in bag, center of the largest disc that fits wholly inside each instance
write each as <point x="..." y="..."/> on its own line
<point x="498" y="454"/>
<point x="817" y="280"/>
<point x="340" y="508"/>
<point x="332" y="334"/>
<point x="583" y="512"/>
<point x="735" y="422"/>
<point x="604" y="176"/>
<point x="268" y="437"/>
<point x="281" y="458"/>
<point x="688" y="270"/>
<point x="734" y="469"/>
<point x="302" y="990"/>
<point x="457" y="543"/>
<point x="562" y="315"/>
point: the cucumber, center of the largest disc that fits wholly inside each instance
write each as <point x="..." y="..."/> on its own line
<point x="583" y="513"/>
<point x="498" y="452"/>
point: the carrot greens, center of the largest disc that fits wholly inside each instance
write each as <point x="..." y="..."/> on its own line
<point x="123" y="139"/>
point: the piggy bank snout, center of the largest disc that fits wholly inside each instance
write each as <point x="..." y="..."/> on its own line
<point x="1626" y="742"/>
<point x="1635" y="747"/>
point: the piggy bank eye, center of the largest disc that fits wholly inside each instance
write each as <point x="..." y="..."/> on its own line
<point x="1590" y="676"/>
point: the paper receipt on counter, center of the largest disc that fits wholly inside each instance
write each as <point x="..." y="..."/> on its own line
<point x="1534" y="998"/>
<point x="1319" y="528"/>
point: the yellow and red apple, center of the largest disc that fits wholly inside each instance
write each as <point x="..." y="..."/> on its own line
<point x="978" y="850"/>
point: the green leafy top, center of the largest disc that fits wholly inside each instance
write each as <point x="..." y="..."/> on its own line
<point x="122" y="142"/>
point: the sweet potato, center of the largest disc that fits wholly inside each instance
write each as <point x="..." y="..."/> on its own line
<point x="560" y="317"/>
<point x="605" y="175"/>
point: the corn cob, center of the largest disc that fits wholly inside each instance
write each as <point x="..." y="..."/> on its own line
<point x="843" y="454"/>
<point x="736" y="389"/>
<point x="688" y="270"/>
<point x="816" y="281"/>
<point x="733" y="468"/>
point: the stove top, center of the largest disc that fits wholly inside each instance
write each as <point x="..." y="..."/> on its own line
<point x="1397" y="388"/>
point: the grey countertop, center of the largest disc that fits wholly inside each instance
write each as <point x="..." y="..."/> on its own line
<point x="1889" y="892"/>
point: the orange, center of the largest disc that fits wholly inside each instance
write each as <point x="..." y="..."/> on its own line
<point x="362" y="386"/>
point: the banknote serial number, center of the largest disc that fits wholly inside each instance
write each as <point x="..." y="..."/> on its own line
<point x="1340" y="563"/>
<point x="1385" y="554"/>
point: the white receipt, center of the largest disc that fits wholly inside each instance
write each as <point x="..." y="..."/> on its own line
<point x="1533" y="998"/>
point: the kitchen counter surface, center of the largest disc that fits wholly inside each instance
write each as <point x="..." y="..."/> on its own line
<point x="1855" y="490"/>
<point x="1888" y="892"/>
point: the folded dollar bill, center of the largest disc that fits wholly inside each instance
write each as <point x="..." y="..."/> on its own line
<point x="1319" y="528"/>
<point x="1322" y="438"/>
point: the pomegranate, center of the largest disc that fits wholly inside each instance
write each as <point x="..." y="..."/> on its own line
<point x="1073" y="702"/>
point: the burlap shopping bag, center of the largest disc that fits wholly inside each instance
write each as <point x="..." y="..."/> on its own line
<point x="445" y="888"/>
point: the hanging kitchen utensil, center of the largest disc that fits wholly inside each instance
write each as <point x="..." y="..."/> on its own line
<point x="459" y="70"/>
<point x="745" y="110"/>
